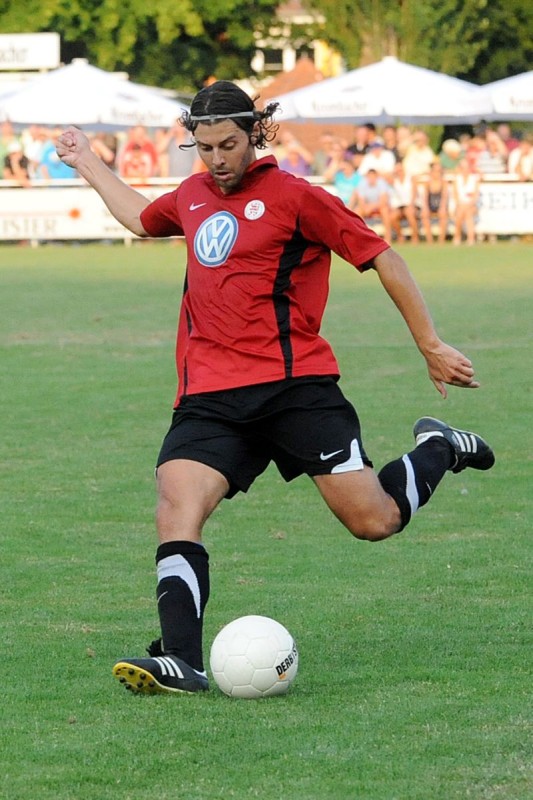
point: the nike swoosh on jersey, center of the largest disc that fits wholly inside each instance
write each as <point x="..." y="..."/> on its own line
<point x="194" y="206"/>
<point x="327" y="456"/>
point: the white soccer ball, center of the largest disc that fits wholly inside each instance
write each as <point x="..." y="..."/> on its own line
<point x="254" y="657"/>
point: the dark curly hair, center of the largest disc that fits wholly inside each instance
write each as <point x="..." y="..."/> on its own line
<point x="225" y="100"/>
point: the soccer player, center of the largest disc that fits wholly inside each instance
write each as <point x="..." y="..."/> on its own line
<point x="256" y="381"/>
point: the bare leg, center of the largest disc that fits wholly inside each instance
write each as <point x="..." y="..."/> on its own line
<point x="359" y="501"/>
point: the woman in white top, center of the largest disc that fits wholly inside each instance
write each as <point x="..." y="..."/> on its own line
<point x="521" y="159"/>
<point x="466" y="198"/>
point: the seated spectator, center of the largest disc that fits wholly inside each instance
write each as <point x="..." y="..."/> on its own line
<point x="286" y="140"/>
<point x="16" y="165"/>
<point x="139" y="141"/>
<point x="378" y="158"/>
<point x="296" y="160"/>
<point x="492" y="160"/>
<point x="450" y="155"/>
<point x="322" y="155"/>
<point x="50" y="166"/>
<point x="403" y="204"/>
<point x="476" y="144"/>
<point x="419" y="156"/>
<point x="371" y="200"/>
<point x="466" y="197"/>
<point x="337" y="154"/>
<point x="34" y="140"/>
<point x="434" y="208"/>
<point x="345" y="180"/>
<point x="7" y="136"/>
<point x="521" y="159"/>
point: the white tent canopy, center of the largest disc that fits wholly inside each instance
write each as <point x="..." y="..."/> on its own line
<point x="387" y="92"/>
<point x="83" y="95"/>
<point x="511" y="98"/>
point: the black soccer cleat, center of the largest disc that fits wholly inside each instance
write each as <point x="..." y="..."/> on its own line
<point x="469" y="448"/>
<point x="165" y="674"/>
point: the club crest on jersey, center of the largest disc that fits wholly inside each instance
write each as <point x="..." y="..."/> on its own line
<point x="215" y="238"/>
<point x="254" y="209"/>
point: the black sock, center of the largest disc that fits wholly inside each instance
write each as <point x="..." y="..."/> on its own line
<point x="182" y="594"/>
<point x="412" y="479"/>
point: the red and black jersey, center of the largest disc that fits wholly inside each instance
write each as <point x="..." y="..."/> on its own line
<point x="257" y="275"/>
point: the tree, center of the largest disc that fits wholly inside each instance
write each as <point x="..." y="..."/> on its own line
<point x="174" y="43"/>
<point x="477" y="40"/>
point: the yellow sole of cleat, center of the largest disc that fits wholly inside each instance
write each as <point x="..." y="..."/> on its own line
<point x="140" y="681"/>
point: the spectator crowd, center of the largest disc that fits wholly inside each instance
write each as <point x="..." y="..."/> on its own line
<point x="391" y="177"/>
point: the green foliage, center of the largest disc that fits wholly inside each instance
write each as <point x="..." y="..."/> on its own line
<point x="508" y="42"/>
<point x="178" y="43"/>
<point x="474" y="39"/>
<point x="174" y="43"/>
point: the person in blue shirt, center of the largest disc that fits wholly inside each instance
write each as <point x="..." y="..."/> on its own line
<point x="50" y="165"/>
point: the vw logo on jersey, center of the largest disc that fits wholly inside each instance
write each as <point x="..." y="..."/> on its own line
<point x="214" y="239"/>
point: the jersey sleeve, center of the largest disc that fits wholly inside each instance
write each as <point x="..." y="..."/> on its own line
<point x="325" y="219"/>
<point x="161" y="218"/>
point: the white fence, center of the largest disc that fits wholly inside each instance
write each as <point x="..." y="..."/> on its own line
<point x="70" y="210"/>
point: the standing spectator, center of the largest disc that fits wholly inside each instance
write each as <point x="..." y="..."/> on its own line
<point x="16" y="165"/>
<point x="506" y="135"/>
<point x="404" y="140"/>
<point x="419" y="156"/>
<point x="466" y="198"/>
<point x="521" y="159"/>
<point x="372" y="134"/>
<point x="145" y="152"/>
<point x="492" y="160"/>
<point x="137" y="164"/>
<point x="403" y="203"/>
<point x="177" y="155"/>
<point x="435" y="203"/>
<point x="359" y="146"/>
<point x="390" y="140"/>
<point x="105" y="146"/>
<point x="371" y="200"/>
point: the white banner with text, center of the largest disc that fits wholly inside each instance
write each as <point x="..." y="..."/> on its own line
<point x="78" y="213"/>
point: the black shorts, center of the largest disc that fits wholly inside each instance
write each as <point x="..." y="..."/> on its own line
<point x="304" y="425"/>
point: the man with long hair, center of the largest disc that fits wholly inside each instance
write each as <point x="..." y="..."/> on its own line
<point x="257" y="382"/>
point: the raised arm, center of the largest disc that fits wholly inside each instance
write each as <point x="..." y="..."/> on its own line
<point x="445" y="364"/>
<point x="125" y="203"/>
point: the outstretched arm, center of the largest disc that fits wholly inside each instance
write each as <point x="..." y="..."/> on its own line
<point x="445" y="364"/>
<point x="125" y="203"/>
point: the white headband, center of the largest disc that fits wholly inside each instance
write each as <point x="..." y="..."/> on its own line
<point x="214" y="117"/>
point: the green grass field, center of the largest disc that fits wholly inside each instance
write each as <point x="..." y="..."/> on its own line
<point x="415" y="653"/>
